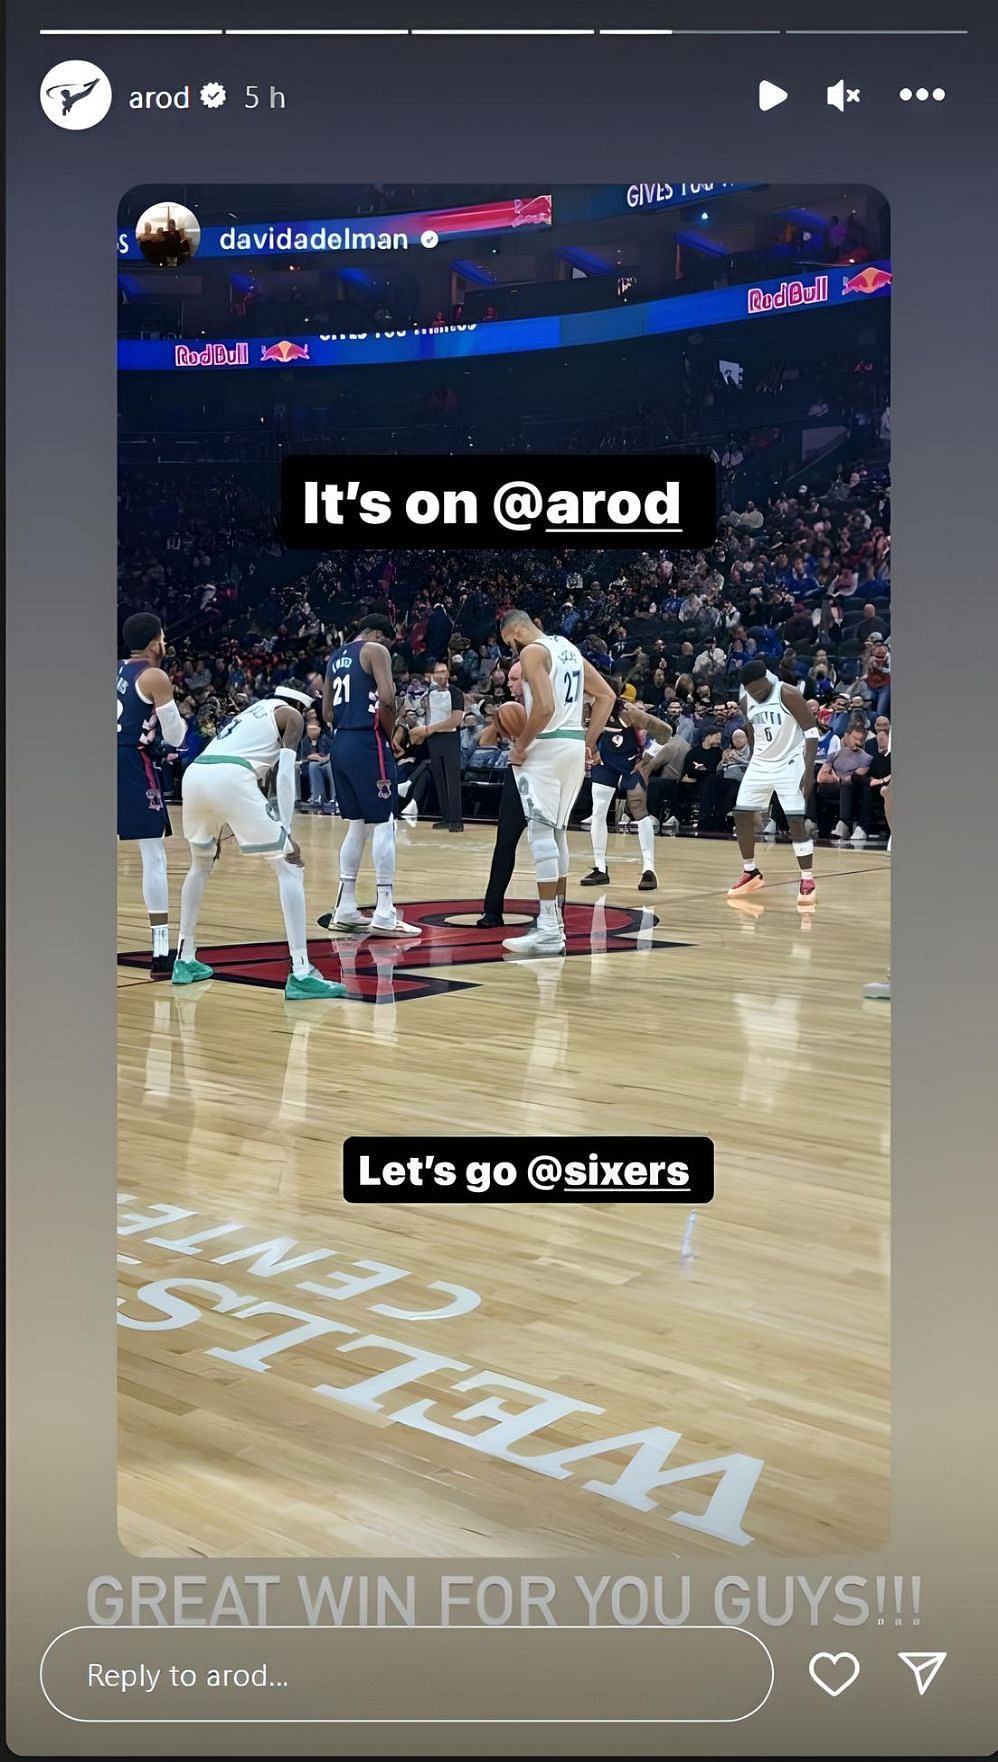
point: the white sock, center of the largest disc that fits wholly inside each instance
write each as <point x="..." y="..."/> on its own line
<point x="383" y="857"/>
<point x="160" y="939"/>
<point x="155" y="881"/>
<point x="646" y="839"/>
<point x="191" y="895"/>
<point x="351" y="856"/>
<point x="748" y="864"/>
<point x="291" y="881"/>
<point x="602" y="797"/>
<point x="547" y="917"/>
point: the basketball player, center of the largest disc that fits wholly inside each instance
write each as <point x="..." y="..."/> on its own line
<point x="222" y="789"/>
<point x="619" y="771"/>
<point x="358" y="704"/>
<point x="145" y="707"/>
<point x="549" y="761"/>
<point x="783" y="734"/>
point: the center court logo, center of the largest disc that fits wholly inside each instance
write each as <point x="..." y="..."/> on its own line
<point x="75" y="94"/>
<point x="377" y="971"/>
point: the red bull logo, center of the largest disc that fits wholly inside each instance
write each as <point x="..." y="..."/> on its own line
<point x="532" y="211"/>
<point x="868" y="281"/>
<point x="788" y="295"/>
<point x="212" y="355"/>
<point x="285" y="351"/>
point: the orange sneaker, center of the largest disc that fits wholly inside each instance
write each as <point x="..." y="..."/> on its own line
<point x="808" y="892"/>
<point x="749" y="881"/>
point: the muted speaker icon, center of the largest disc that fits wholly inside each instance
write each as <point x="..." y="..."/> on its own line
<point x="837" y="94"/>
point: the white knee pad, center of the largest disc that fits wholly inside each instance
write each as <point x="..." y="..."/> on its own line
<point x="203" y="857"/>
<point x="155" y="883"/>
<point x="561" y="842"/>
<point x="603" y="794"/>
<point x="544" y="850"/>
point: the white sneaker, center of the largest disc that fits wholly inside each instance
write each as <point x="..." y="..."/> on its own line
<point x="841" y="830"/>
<point x="770" y="829"/>
<point x="393" y="926"/>
<point x="587" y="821"/>
<point x="671" y="824"/>
<point x="810" y="827"/>
<point x="889" y="843"/>
<point x="539" y="941"/>
<point x="410" y="812"/>
<point x="350" y="919"/>
<point x="858" y="835"/>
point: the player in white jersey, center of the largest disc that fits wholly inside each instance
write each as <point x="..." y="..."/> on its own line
<point x="224" y="787"/>
<point x="549" y="762"/>
<point x="783" y="734"/>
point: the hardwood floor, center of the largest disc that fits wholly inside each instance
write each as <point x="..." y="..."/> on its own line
<point x="378" y="1381"/>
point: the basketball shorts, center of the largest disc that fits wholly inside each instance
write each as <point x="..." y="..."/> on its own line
<point x="551" y="778"/>
<point x="613" y="778"/>
<point x="224" y="792"/>
<point x="762" y="781"/>
<point x="365" y="778"/>
<point x="141" y="809"/>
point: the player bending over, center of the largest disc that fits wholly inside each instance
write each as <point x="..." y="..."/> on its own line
<point x="621" y="770"/>
<point x="549" y="761"/>
<point x="145" y="707"/>
<point x="358" y="704"/>
<point x="223" y="788"/>
<point x="783" y="735"/>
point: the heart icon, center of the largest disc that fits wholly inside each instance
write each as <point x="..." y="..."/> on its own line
<point x="836" y="1665"/>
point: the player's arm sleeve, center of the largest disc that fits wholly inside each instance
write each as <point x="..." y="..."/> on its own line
<point x="159" y="688"/>
<point x="286" y="787"/>
<point x="171" y="724"/>
<point x="291" y="723"/>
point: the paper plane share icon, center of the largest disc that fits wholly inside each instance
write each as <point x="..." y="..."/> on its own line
<point x="924" y="1666"/>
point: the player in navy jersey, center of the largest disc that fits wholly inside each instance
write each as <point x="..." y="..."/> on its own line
<point x="358" y="704"/>
<point x="146" y="708"/>
<point x="620" y="770"/>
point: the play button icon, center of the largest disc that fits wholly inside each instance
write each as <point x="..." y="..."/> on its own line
<point x="770" y="95"/>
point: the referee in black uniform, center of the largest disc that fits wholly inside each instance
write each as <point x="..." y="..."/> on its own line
<point x="444" y="714"/>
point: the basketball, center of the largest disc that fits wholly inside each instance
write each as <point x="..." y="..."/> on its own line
<point x="512" y="719"/>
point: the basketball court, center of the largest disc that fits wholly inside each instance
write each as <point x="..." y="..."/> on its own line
<point x="260" y="1408"/>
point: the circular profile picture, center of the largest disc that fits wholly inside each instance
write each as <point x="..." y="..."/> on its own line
<point x="75" y="94"/>
<point x="168" y="235"/>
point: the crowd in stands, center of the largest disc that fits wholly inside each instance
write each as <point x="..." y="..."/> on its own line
<point x="801" y="579"/>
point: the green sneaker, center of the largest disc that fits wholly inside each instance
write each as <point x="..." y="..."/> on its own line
<point x="191" y="972"/>
<point x="311" y="984"/>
